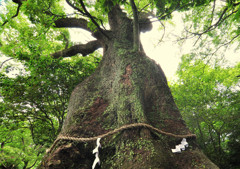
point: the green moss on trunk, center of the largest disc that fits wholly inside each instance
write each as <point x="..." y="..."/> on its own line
<point x="128" y="87"/>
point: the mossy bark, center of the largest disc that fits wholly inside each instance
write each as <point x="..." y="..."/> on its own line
<point x="126" y="88"/>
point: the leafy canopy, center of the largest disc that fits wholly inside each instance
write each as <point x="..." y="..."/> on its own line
<point x="208" y="96"/>
<point x="34" y="102"/>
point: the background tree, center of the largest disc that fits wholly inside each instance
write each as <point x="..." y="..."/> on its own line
<point x="207" y="94"/>
<point x="35" y="89"/>
<point x="17" y="147"/>
<point x="126" y="88"/>
<point x="37" y="101"/>
<point x="41" y="95"/>
<point x="215" y="27"/>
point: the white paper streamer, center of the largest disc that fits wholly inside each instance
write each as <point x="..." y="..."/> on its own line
<point x="180" y="147"/>
<point x="96" y="152"/>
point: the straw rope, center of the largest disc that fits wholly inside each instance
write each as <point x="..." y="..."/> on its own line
<point x="125" y="127"/>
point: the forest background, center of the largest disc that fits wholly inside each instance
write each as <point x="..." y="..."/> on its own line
<point x="34" y="100"/>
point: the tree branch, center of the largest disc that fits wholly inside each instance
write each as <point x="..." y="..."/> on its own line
<point x="72" y="23"/>
<point x="164" y="31"/>
<point x="92" y="19"/>
<point x="222" y="17"/>
<point x="83" y="49"/>
<point x="219" y="21"/>
<point x="213" y="10"/>
<point x="227" y="43"/>
<point x="67" y="41"/>
<point x="5" y="62"/>
<point x="136" y="38"/>
<point x="84" y="13"/>
<point x="74" y="7"/>
<point x="18" y="9"/>
<point x="210" y="28"/>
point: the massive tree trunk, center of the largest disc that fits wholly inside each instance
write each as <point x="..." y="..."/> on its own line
<point x="127" y="87"/>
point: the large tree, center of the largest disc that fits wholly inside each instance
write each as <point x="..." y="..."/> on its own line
<point x="127" y="88"/>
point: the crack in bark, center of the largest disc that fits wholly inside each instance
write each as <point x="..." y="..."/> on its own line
<point x="126" y="77"/>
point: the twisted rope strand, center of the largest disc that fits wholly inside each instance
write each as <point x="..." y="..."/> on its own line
<point x="125" y="127"/>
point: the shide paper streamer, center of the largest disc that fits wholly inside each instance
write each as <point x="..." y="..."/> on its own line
<point x="96" y="152"/>
<point x="180" y="147"/>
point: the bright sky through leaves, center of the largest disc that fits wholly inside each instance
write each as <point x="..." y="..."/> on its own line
<point x="167" y="53"/>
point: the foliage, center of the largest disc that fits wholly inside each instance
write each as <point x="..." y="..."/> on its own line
<point x="17" y="147"/>
<point x="207" y="96"/>
<point x="161" y="9"/>
<point x="214" y="26"/>
<point x="34" y="100"/>
<point x="39" y="99"/>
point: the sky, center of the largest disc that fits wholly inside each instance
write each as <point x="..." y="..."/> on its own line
<point x="166" y="53"/>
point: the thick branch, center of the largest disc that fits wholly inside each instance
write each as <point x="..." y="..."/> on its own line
<point x="83" y="49"/>
<point x="136" y="38"/>
<point x="72" y="23"/>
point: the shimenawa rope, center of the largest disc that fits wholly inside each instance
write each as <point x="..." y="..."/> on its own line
<point x="125" y="127"/>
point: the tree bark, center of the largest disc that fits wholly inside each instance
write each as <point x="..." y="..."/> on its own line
<point x="127" y="87"/>
<point x="72" y="23"/>
<point x="83" y="49"/>
<point x="136" y="37"/>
